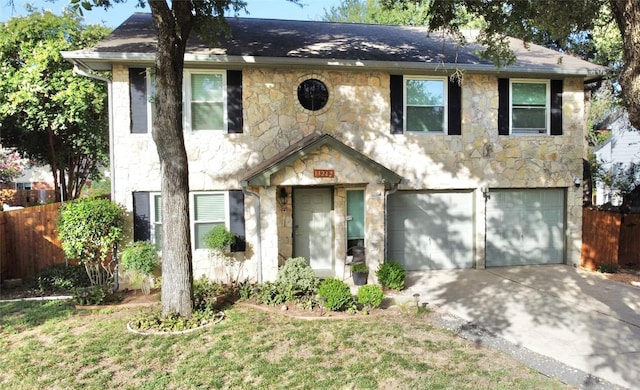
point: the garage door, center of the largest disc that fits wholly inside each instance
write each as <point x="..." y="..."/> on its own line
<point x="431" y="230"/>
<point x="525" y="227"/>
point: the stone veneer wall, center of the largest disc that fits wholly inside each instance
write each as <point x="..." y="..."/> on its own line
<point x="358" y="115"/>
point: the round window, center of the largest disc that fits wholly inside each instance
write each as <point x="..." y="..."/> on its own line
<point x="313" y="94"/>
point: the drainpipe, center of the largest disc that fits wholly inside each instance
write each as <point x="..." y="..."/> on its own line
<point x="386" y="219"/>
<point x="258" y="250"/>
<point x="84" y="70"/>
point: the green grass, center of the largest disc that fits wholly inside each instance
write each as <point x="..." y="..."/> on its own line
<point x="51" y="345"/>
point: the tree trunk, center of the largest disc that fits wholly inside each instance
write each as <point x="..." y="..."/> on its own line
<point x="627" y="16"/>
<point x="173" y="28"/>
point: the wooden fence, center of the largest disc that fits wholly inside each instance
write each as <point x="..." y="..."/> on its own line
<point x="610" y="238"/>
<point x="26" y="198"/>
<point x="29" y="241"/>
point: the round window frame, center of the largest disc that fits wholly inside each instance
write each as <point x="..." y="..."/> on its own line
<point x="318" y="80"/>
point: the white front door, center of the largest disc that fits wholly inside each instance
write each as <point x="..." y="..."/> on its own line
<point x="312" y="228"/>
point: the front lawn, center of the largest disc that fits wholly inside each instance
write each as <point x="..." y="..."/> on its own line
<point x="51" y="345"/>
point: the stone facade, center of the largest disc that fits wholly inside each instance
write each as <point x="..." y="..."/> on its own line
<point x="357" y="114"/>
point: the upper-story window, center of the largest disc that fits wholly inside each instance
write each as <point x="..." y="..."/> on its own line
<point x="205" y="105"/>
<point x="213" y="100"/>
<point x="530" y="107"/>
<point x="426" y="104"/>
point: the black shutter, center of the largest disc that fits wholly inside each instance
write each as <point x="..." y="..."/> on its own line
<point x="397" y="92"/>
<point x="503" y="106"/>
<point x="234" y="100"/>
<point x="454" y="108"/>
<point x="141" y="216"/>
<point x="556" y="107"/>
<point x="236" y="220"/>
<point x="138" y="99"/>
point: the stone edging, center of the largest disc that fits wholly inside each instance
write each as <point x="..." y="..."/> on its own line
<point x="220" y="316"/>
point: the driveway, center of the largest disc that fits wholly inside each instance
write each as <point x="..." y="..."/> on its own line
<point x="576" y="317"/>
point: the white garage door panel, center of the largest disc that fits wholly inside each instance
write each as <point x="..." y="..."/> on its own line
<point x="431" y="230"/>
<point x="525" y="227"/>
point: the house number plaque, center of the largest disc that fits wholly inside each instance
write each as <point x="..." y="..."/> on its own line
<point x="324" y="173"/>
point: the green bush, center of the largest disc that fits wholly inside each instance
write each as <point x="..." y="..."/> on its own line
<point x="219" y="238"/>
<point x="93" y="295"/>
<point x="206" y="293"/>
<point x="336" y="294"/>
<point x="391" y="275"/>
<point x="140" y="257"/>
<point x="270" y="293"/>
<point x="370" y="295"/>
<point x="360" y="268"/>
<point x="296" y="279"/>
<point x="62" y="278"/>
<point x="89" y="228"/>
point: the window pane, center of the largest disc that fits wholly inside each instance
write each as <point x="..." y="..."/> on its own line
<point x="207" y="116"/>
<point x="206" y="87"/>
<point x="529" y="118"/>
<point x="201" y="229"/>
<point x="209" y="207"/>
<point x="355" y="209"/>
<point x="529" y="94"/>
<point x="157" y="205"/>
<point x="425" y="92"/>
<point x="425" y="119"/>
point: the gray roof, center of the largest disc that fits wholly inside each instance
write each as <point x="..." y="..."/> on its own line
<point x="324" y="44"/>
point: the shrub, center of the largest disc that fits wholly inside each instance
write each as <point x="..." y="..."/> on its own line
<point x="88" y="229"/>
<point x="139" y="261"/>
<point x="270" y="293"/>
<point x="62" y="277"/>
<point x="92" y="295"/>
<point x="360" y="268"/>
<point x="206" y="293"/>
<point x="391" y="275"/>
<point x="296" y="279"/>
<point x="608" y="268"/>
<point x="219" y="239"/>
<point x="336" y="294"/>
<point x="370" y="295"/>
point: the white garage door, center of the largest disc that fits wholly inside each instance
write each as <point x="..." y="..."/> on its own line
<point x="525" y="227"/>
<point x="431" y="230"/>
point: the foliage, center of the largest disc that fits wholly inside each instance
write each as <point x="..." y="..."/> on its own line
<point x="219" y="239"/>
<point x="206" y="293"/>
<point x="359" y="268"/>
<point x="246" y="290"/>
<point x="270" y="293"/>
<point x="156" y="321"/>
<point x="92" y="295"/>
<point x="139" y="261"/>
<point x="608" y="268"/>
<point x="336" y="294"/>
<point x="296" y="279"/>
<point x="62" y="278"/>
<point x="11" y="165"/>
<point x="370" y="295"/>
<point x="48" y="113"/>
<point x="89" y="229"/>
<point x="618" y="177"/>
<point x="390" y="274"/>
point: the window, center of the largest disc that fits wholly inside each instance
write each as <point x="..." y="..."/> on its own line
<point x="425" y="108"/>
<point x="529" y="107"/>
<point x="156" y="221"/>
<point x="209" y="210"/>
<point x="205" y="101"/>
<point x="23" y="186"/>
<point x="355" y="218"/>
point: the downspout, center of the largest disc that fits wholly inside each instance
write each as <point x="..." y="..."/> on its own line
<point x="386" y="219"/>
<point x="258" y="250"/>
<point x="83" y="70"/>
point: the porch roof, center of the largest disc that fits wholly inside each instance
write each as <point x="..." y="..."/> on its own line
<point x="261" y="174"/>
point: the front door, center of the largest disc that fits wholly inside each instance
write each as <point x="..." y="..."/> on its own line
<point x="312" y="228"/>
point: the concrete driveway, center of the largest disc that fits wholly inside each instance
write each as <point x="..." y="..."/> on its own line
<point x="578" y="318"/>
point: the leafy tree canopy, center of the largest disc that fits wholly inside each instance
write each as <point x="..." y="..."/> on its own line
<point x="48" y="113"/>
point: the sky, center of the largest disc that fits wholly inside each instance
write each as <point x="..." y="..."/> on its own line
<point x="270" y="9"/>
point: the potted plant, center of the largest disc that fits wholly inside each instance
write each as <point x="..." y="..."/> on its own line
<point x="360" y="273"/>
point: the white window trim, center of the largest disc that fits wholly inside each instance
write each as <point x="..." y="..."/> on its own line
<point x="547" y="106"/>
<point x="151" y="96"/>
<point x="445" y="97"/>
<point x="186" y="103"/>
<point x="192" y="214"/>
<point x="364" y="194"/>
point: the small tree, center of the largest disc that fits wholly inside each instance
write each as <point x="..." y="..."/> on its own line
<point x="139" y="261"/>
<point x="11" y="165"/>
<point x="89" y="229"/>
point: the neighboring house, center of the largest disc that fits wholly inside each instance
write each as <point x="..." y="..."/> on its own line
<point x="306" y="138"/>
<point x="617" y="153"/>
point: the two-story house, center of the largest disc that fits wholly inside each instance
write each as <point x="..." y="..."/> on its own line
<point x="306" y="138"/>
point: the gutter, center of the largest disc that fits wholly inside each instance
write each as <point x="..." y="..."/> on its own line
<point x="84" y="70"/>
<point x="258" y="250"/>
